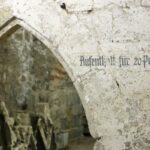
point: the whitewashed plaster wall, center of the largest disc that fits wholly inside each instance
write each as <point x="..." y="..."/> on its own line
<point x="116" y="100"/>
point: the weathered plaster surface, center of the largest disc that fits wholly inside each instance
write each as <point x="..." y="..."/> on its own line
<point x="5" y="12"/>
<point x="116" y="100"/>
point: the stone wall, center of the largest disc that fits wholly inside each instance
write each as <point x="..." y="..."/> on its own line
<point x="116" y="100"/>
<point x="30" y="74"/>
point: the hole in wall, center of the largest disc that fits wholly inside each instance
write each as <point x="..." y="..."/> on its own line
<point x="63" y="6"/>
<point x="36" y="87"/>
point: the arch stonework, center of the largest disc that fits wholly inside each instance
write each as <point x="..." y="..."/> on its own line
<point x="116" y="100"/>
<point x="45" y="83"/>
<point x="14" y="24"/>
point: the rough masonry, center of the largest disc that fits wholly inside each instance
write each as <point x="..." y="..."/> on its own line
<point x="31" y="78"/>
<point x="116" y="101"/>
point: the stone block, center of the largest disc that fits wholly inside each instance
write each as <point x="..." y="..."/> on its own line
<point x="75" y="133"/>
<point x="64" y="123"/>
<point x="5" y="11"/>
<point x="62" y="140"/>
<point x="98" y="146"/>
<point x="145" y="3"/>
<point x="23" y="118"/>
<point x="77" y="109"/>
<point x="42" y="109"/>
<point x="76" y="121"/>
